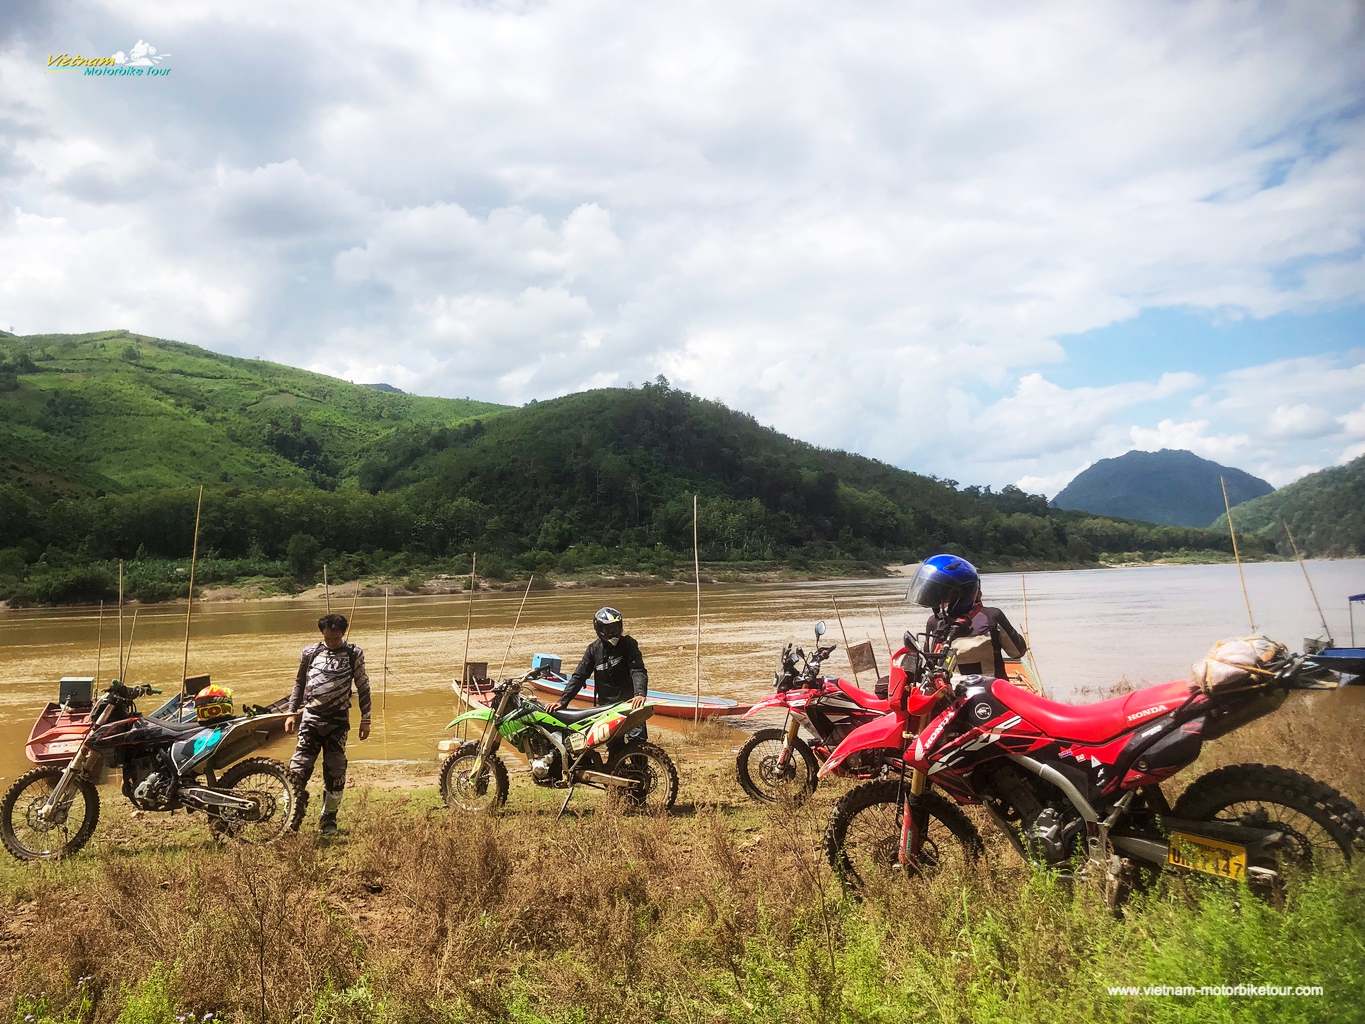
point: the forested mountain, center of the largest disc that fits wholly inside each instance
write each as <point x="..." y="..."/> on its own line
<point x="119" y="412"/>
<point x="104" y="438"/>
<point x="1325" y="510"/>
<point x="1177" y="488"/>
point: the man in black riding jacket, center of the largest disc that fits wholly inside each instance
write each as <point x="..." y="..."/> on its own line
<point x="615" y="663"/>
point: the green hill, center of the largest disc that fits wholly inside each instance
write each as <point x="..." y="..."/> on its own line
<point x="104" y="437"/>
<point x="1174" y="487"/>
<point x="115" y="411"/>
<point x="1326" y="511"/>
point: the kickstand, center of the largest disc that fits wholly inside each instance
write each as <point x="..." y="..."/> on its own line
<point x="565" y="804"/>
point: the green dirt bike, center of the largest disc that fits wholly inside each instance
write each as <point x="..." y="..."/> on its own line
<point x="599" y="747"/>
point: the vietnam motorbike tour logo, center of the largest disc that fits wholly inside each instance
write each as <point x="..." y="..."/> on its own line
<point x="143" y="60"/>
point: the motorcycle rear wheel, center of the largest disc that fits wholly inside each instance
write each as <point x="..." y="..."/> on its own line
<point x="655" y="773"/>
<point x="27" y="838"/>
<point x="275" y="791"/>
<point x="1322" y="827"/>
<point x="763" y="778"/>
<point x="863" y="836"/>
<point x="460" y="791"/>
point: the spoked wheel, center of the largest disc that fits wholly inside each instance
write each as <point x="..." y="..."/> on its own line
<point x="30" y="834"/>
<point x="1322" y="829"/>
<point x="763" y="774"/>
<point x="461" y="790"/>
<point x="864" y="831"/>
<point x="274" y="791"/>
<point x="654" y="773"/>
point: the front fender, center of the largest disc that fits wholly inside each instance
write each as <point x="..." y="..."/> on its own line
<point x="777" y="700"/>
<point x="476" y="715"/>
<point x="884" y="733"/>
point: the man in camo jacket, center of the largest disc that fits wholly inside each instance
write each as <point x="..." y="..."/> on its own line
<point x="320" y="708"/>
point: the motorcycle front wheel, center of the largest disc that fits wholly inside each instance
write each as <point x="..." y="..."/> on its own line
<point x="654" y="774"/>
<point x="762" y="775"/>
<point x="863" y="837"/>
<point x="274" y="791"/>
<point x="460" y="790"/>
<point x="27" y="835"/>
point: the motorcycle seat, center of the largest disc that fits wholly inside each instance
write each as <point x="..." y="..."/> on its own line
<point x="1093" y="723"/>
<point x="573" y="717"/>
<point x="866" y="701"/>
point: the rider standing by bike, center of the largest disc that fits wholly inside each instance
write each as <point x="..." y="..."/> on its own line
<point x="615" y="663"/>
<point x="320" y="707"/>
<point x="951" y="587"/>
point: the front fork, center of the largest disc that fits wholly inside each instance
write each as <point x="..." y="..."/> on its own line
<point x="57" y="797"/>
<point x="790" y="730"/>
<point x="488" y="740"/>
<point x="913" y="817"/>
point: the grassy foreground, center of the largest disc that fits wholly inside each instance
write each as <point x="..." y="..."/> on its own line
<point x="720" y="912"/>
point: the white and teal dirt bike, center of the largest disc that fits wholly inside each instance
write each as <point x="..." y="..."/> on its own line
<point x="599" y="747"/>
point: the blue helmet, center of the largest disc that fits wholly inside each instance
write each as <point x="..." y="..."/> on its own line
<point x="947" y="584"/>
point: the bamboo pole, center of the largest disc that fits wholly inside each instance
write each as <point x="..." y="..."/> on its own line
<point x="842" y="632"/>
<point x="384" y="698"/>
<point x="516" y="623"/>
<point x="1326" y="631"/>
<point x="351" y="618"/>
<point x="890" y="654"/>
<point x="326" y="590"/>
<point x="99" y="643"/>
<point x="120" y="620"/>
<point x="696" y="650"/>
<point x="468" y="625"/>
<point x="128" y="658"/>
<point x="1241" y="575"/>
<point x="469" y="616"/>
<point x="189" y="604"/>
<point x="1028" y="639"/>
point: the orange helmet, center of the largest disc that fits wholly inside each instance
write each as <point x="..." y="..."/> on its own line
<point x="213" y="703"/>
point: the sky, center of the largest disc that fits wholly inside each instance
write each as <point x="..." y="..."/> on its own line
<point x="989" y="242"/>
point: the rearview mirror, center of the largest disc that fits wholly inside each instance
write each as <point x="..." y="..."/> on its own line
<point x="820" y="629"/>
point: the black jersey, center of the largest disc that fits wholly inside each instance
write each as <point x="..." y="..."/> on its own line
<point x="617" y="670"/>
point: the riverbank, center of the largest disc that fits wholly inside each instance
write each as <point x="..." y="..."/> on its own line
<point x="167" y="582"/>
<point x="721" y="912"/>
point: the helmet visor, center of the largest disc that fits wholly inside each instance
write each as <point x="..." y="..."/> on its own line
<point x="930" y="588"/>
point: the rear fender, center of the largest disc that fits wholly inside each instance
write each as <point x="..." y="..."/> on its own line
<point x="883" y="733"/>
<point x="617" y="722"/>
<point x="243" y="736"/>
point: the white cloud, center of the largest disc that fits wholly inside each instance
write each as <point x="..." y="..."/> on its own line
<point x="866" y="226"/>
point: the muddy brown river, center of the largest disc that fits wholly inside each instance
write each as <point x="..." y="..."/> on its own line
<point x="1090" y="630"/>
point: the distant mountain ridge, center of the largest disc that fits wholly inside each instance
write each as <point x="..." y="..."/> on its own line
<point x="1326" y="511"/>
<point x="1173" y="487"/>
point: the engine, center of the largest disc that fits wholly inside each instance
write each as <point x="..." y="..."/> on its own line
<point x="151" y="779"/>
<point x="1049" y="825"/>
<point x="546" y="764"/>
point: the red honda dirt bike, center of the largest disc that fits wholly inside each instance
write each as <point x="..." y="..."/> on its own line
<point x="776" y="764"/>
<point x="1077" y="788"/>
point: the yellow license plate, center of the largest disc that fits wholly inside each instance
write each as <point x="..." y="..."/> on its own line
<point x="1211" y="856"/>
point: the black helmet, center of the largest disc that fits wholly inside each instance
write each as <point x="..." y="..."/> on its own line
<point x="947" y="584"/>
<point x="609" y="624"/>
